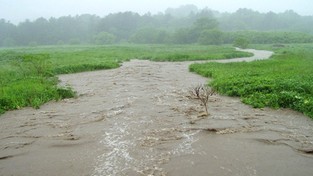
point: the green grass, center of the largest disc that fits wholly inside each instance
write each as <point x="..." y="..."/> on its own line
<point x="28" y="80"/>
<point x="284" y="81"/>
<point x="31" y="92"/>
<point x="71" y="59"/>
<point x="177" y="53"/>
<point x="28" y="75"/>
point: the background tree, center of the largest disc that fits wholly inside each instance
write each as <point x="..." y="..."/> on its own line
<point x="104" y="38"/>
<point x="182" y="11"/>
<point x="185" y="36"/>
<point x="7" y="32"/>
<point x="211" y="37"/>
<point x="205" y="23"/>
<point x="150" y="36"/>
<point x="241" y="43"/>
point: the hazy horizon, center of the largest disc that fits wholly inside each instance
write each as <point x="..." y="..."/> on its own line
<point x="17" y="11"/>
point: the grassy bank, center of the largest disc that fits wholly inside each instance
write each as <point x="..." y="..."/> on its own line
<point x="28" y="80"/>
<point x="28" y="75"/>
<point x="285" y="81"/>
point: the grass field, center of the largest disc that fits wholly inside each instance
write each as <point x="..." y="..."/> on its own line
<point x="28" y="75"/>
<point x="285" y="81"/>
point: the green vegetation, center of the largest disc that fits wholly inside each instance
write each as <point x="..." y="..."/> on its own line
<point x="27" y="80"/>
<point x="28" y="75"/>
<point x="284" y="81"/>
<point x="241" y="43"/>
<point x="188" y="53"/>
<point x="257" y="37"/>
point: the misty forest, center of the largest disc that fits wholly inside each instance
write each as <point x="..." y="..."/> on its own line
<point x="184" y="25"/>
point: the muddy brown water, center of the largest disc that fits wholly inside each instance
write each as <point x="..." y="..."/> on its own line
<point x="139" y="120"/>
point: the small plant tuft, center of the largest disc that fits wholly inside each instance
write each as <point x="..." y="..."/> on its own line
<point x="66" y="92"/>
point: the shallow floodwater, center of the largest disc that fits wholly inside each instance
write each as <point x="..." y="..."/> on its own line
<point x="140" y="120"/>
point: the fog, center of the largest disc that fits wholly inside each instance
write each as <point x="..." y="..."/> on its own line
<point x="16" y="11"/>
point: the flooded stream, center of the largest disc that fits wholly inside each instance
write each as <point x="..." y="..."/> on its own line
<point x="139" y="120"/>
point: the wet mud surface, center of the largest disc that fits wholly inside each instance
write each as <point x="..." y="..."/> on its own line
<point x="139" y="119"/>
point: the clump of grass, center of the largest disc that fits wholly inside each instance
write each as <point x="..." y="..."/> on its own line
<point x="85" y="67"/>
<point x="285" y="81"/>
<point x="65" y="92"/>
<point x="31" y="92"/>
<point x="29" y="82"/>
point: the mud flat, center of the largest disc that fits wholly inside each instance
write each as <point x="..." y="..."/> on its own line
<point x="139" y="120"/>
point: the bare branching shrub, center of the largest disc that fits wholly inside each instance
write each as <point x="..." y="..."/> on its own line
<point x="202" y="93"/>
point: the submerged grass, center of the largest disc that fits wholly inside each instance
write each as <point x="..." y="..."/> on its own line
<point x="28" y="75"/>
<point x="284" y="81"/>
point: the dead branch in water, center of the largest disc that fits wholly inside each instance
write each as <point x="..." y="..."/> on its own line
<point x="202" y="93"/>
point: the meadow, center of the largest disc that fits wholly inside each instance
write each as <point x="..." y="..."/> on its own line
<point x="29" y="75"/>
<point x="284" y="81"/>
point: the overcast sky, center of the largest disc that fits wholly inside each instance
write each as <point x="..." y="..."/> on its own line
<point x="18" y="10"/>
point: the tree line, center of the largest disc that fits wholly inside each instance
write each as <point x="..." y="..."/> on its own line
<point x="184" y="25"/>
